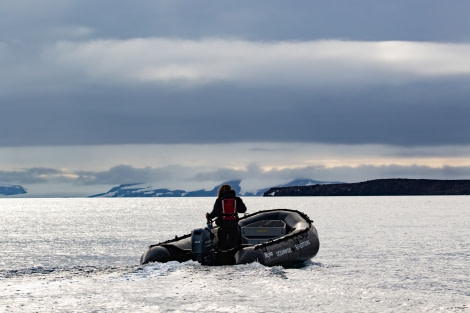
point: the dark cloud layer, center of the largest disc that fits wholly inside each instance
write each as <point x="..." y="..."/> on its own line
<point x="63" y="86"/>
<point x="384" y="114"/>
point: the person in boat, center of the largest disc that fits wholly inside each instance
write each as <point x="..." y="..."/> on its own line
<point x="226" y="209"/>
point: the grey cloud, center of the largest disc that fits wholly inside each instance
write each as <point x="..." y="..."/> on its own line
<point x="115" y="175"/>
<point x="124" y="174"/>
<point x="121" y="174"/>
<point x="266" y="20"/>
<point x="422" y="114"/>
<point x="222" y="174"/>
<point x="368" y="172"/>
<point x="32" y="176"/>
<point x="309" y="64"/>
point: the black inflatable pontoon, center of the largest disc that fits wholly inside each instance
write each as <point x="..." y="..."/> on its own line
<point x="273" y="237"/>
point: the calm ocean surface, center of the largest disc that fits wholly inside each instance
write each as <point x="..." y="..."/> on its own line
<point x="377" y="254"/>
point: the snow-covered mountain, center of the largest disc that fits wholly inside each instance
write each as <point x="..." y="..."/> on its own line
<point x="145" y="190"/>
<point x="11" y="190"/>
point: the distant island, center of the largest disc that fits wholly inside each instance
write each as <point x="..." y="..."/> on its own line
<point x="378" y="187"/>
<point x="11" y="190"/>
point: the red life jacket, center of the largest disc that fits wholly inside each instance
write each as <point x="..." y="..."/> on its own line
<point x="229" y="209"/>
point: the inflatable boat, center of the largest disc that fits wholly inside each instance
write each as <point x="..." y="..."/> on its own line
<point x="273" y="237"/>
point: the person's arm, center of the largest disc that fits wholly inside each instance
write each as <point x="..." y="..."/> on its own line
<point x="215" y="211"/>
<point x="241" y="207"/>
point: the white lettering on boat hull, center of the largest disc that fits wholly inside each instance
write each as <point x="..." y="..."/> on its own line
<point x="302" y="244"/>
<point x="268" y="255"/>
<point x="283" y="252"/>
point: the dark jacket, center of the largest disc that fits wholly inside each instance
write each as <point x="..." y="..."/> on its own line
<point x="217" y="210"/>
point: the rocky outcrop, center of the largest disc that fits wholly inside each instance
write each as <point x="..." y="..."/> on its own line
<point x="379" y="187"/>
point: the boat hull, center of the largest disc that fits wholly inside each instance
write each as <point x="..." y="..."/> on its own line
<point x="299" y="244"/>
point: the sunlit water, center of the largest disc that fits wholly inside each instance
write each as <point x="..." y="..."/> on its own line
<point x="377" y="254"/>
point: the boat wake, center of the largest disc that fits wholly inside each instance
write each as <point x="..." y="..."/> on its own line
<point x="63" y="272"/>
<point x="186" y="269"/>
<point x="192" y="269"/>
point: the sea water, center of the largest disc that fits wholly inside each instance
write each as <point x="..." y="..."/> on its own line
<point x="377" y="254"/>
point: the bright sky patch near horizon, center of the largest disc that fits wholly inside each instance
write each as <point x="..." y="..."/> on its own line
<point x="190" y="94"/>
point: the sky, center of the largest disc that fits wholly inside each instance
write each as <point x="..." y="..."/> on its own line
<point x="189" y="94"/>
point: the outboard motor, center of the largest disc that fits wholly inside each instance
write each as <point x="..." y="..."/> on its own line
<point x="202" y="246"/>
